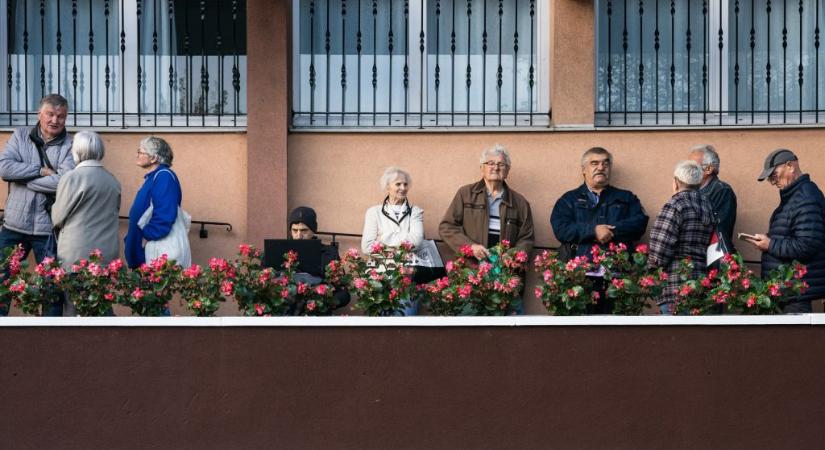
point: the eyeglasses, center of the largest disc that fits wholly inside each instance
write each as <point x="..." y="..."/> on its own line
<point x="141" y="152"/>
<point x="491" y="164"/>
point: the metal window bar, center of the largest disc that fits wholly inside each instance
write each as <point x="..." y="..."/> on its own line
<point x="177" y="54"/>
<point x="475" y="64"/>
<point x="708" y="62"/>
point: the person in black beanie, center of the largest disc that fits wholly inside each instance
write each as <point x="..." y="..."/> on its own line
<point x="303" y="224"/>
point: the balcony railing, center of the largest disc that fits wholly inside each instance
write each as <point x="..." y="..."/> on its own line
<point x="420" y="63"/>
<point x="126" y="63"/>
<point x="709" y="62"/>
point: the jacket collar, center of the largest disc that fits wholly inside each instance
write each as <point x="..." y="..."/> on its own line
<point x="583" y="190"/>
<point x="786" y="193"/>
<point x="407" y="210"/>
<point x="34" y="135"/>
<point x="481" y="188"/>
<point x="89" y="163"/>
<point x="159" y="167"/>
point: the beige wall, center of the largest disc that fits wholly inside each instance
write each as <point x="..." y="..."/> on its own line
<point x="212" y="171"/>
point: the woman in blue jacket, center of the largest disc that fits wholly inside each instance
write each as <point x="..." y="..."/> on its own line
<point x="161" y="188"/>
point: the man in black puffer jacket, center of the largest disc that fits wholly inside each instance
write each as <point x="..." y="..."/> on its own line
<point x="797" y="228"/>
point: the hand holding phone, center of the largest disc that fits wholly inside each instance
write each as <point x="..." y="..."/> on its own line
<point x="746" y="236"/>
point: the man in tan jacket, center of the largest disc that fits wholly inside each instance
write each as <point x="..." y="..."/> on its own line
<point x="488" y="211"/>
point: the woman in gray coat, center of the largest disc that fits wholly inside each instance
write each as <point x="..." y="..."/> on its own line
<point x="86" y="209"/>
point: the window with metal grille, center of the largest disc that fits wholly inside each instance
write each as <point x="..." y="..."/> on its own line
<point x="709" y="62"/>
<point x="420" y="63"/>
<point x="126" y="63"/>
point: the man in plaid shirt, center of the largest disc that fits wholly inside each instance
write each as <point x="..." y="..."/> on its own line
<point x="682" y="229"/>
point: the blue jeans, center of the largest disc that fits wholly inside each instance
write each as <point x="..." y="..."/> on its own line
<point x="43" y="246"/>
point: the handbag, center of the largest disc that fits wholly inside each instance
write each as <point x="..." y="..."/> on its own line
<point x="174" y="245"/>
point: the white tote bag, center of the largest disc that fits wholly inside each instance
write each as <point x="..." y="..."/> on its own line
<point x="175" y="244"/>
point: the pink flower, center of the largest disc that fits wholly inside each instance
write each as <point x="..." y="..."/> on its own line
<point x="18" y="286"/>
<point x="572" y="293"/>
<point x="245" y="250"/>
<point x="109" y="297"/>
<point x="227" y="287"/>
<point x="547" y="275"/>
<point x="537" y="292"/>
<point x="137" y="294"/>
<point x="746" y="283"/>
<point x="57" y="273"/>
<point x="376" y="247"/>
<point x="618" y="283"/>
<point x="751" y="301"/>
<point x="466" y="250"/>
<point x="302" y="288"/>
<point x="374" y="275"/>
<point x="353" y="253"/>
<point x="800" y="271"/>
<point x="321" y="289"/>
<point x="259" y="309"/>
<point x="96" y="253"/>
<point x="193" y="272"/>
<point x="685" y="290"/>
<point x="393" y="294"/>
<point x="514" y="282"/>
<point x="218" y="264"/>
<point x="96" y="270"/>
<point x="449" y="266"/>
<point x="595" y="295"/>
<point x="115" y="265"/>
<point x="407" y="245"/>
<point x="774" y="290"/>
<point x="465" y="291"/>
<point x="197" y="304"/>
<point x="484" y="267"/>
<point x="284" y="293"/>
<point x="311" y="305"/>
<point x="505" y="243"/>
<point x="706" y="283"/>
<point x="643" y="249"/>
<point x="662" y="276"/>
<point x="647" y="281"/>
<point x="521" y="256"/>
<point x="359" y="283"/>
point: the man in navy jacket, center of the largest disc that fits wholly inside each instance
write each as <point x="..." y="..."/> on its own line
<point x="796" y="229"/>
<point x="597" y="213"/>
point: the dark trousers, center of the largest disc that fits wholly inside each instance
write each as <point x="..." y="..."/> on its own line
<point x="42" y="246"/>
<point x="803" y="307"/>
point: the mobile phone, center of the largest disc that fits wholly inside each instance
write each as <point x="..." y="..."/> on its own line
<point x="745" y="236"/>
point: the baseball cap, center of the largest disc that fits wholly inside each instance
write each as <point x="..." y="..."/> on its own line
<point x="776" y="158"/>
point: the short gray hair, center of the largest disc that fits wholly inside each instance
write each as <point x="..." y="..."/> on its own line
<point x="596" y="151"/>
<point x="709" y="156"/>
<point x="87" y="145"/>
<point x="391" y="174"/>
<point x="495" y="150"/>
<point x="688" y="174"/>
<point x="54" y="100"/>
<point x="158" y="147"/>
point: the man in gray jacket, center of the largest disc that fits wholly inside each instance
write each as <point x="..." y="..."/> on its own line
<point x="32" y="163"/>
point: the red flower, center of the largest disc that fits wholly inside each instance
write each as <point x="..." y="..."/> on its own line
<point x="259" y="309"/>
<point x="321" y="289"/>
<point x="618" y="283"/>
<point x="521" y="256"/>
<point x="197" y="304"/>
<point x="746" y="283"/>
<point x="359" y="283"/>
<point x="643" y="249"/>
<point x="193" y="272"/>
<point x="465" y="291"/>
<point x="115" y="265"/>
<point x="137" y="294"/>
<point x="245" y="250"/>
<point x="302" y="288"/>
<point x="647" y="281"/>
<point x="706" y="283"/>
<point x="227" y="287"/>
<point x="467" y="251"/>
<point x="751" y="301"/>
<point x="311" y="305"/>
<point x="109" y="297"/>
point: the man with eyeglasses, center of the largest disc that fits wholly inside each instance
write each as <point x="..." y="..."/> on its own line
<point x="32" y="163"/>
<point x="797" y="227"/>
<point x="597" y="213"/>
<point x="486" y="212"/>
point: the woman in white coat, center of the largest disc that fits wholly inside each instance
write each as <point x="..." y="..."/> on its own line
<point x="394" y="221"/>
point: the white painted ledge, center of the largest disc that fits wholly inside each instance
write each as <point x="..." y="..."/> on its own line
<point x="419" y="321"/>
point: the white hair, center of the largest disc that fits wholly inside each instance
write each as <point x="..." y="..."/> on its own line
<point x="495" y="150"/>
<point x="709" y="156"/>
<point x="391" y="174"/>
<point x="688" y="173"/>
<point x="87" y="145"/>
